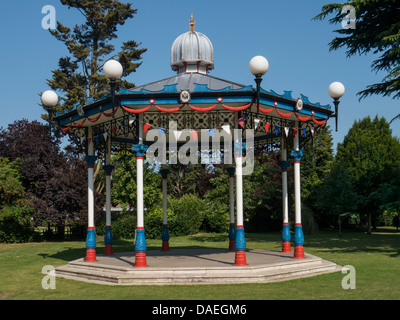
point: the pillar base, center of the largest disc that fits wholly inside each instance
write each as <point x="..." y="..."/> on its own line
<point x="286" y="246"/>
<point x="165" y="246"/>
<point x="90" y="255"/>
<point x="240" y="259"/>
<point x="140" y="260"/>
<point x="298" y="252"/>
<point x="108" y="251"/>
<point x="231" y="245"/>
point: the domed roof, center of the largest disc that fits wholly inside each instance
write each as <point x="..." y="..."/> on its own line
<point x="192" y="52"/>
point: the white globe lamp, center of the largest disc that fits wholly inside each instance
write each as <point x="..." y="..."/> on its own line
<point x="113" y="69"/>
<point x="258" y="66"/>
<point x="336" y="90"/>
<point x="49" y="98"/>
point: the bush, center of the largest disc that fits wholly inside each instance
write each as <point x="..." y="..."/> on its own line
<point x="14" y="225"/>
<point x="153" y="221"/>
<point x="188" y="215"/>
<point x="216" y="218"/>
<point x="125" y="226"/>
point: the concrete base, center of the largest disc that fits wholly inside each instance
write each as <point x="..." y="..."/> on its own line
<point x="195" y="266"/>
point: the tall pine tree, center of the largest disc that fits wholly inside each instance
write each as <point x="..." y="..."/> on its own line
<point x="79" y="75"/>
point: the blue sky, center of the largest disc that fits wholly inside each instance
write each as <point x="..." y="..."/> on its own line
<point x="282" y="31"/>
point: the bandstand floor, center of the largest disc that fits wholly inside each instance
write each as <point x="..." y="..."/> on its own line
<point x="195" y="266"/>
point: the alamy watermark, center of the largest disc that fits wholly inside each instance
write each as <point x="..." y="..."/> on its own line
<point x="349" y="280"/>
<point x="49" y="20"/>
<point x="195" y="141"/>
<point x="349" y="20"/>
<point x="49" y="280"/>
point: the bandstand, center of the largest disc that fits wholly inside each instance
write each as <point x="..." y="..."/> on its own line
<point x="168" y="119"/>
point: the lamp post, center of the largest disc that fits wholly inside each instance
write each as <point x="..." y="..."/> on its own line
<point x="336" y="91"/>
<point x="258" y="66"/>
<point x="113" y="70"/>
<point x="49" y="100"/>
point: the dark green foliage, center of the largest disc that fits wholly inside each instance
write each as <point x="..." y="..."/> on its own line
<point x="335" y="198"/>
<point x="125" y="226"/>
<point x="55" y="183"/>
<point x="316" y="162"/>
<point x="79" y="75"/>
<point x="124" y="182"/>
<point x="377" y="31"/>
<point x="188" y="215"/>
<point x="370" y="154"/>
<point x="15" y="210"/>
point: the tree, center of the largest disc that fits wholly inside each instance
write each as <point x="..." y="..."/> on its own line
<point x="335" y="197"/>
<point x="316" y="162"/>
<point x="89" y="45"/>
<point x="15" y="209"/>
<point x="124" y="188"/>
<point x="370" y="153"/>
<point x="55" y="183"/>
<point x="377" y="31"/>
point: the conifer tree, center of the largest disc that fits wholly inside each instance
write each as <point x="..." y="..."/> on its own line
<point x="79" y="75"/>
<point x="376" y="30"/>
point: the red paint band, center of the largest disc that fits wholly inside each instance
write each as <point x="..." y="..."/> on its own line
<point x="139" y="157"/>
<point x="140" y="228"/>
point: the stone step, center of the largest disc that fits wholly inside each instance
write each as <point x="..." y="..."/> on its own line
<point x="129" y="275"/>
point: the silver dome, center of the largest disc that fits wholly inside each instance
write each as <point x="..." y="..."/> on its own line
<point x="192" y="52"/>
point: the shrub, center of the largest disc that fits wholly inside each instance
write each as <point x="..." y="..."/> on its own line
<point x="188" y="215"/>
<point x="15" y="226"/>
<point x="153" y="221"/>
<point x="216" y="218"/>
<point x="125" y="226"/>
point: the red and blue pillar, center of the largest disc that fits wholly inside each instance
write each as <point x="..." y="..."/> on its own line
<point x="298" y="230"/>
<point x="240" y="240"/>
<point x="91" y="234"/>
<point x="140" y="242"/>
<point x="285" y="200"/>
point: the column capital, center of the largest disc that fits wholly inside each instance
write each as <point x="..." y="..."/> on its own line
<point x="164" y="173"/>
<point x="231" y="171"/>
<point x="90" y="160"/>
<point x="284" y="165"/>
<point x="238" y="148"/>
<point x="140" y="149"/>
<point x="108" y="169"/>
<point x="297" y="154"/>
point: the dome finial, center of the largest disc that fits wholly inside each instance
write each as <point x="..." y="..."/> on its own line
<point x="191" y="23"/>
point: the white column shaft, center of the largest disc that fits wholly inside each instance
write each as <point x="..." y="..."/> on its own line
<point x="239" y="190"/>
<point x="232" y="199"/>
<point x="90" y="181"/>
<point x="297" y="192"/>
<point x="139" y="178"/>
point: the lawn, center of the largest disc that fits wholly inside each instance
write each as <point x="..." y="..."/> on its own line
<point x="376" y="259"/>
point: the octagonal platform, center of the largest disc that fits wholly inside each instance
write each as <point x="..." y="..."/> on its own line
<point x="195" y="266"/>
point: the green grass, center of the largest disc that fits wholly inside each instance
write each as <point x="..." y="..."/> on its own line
<point x="376" y="259"/>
